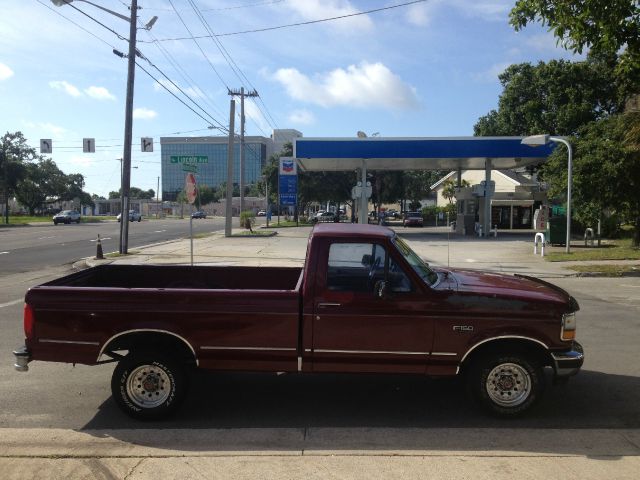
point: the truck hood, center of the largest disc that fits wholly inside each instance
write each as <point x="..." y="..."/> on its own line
<point x="511" y="286"/>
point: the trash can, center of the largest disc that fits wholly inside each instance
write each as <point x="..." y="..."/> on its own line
<point x="557" y="234"/>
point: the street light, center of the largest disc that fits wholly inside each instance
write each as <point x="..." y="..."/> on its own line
<point x="540" y="140"/>
<point x="128" y="116"/>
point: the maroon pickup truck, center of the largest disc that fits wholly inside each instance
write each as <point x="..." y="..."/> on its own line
<point x="364" y="302"/>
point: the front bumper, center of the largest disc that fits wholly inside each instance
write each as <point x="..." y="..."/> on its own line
<point x="23" y="357"/>
<point x="568" y="363"/>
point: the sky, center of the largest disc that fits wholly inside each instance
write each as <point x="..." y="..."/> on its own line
<point x="428" y="69"/>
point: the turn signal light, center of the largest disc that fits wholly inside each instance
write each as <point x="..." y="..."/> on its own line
<point x="568" y="327"/>
<point x="29" y="320"/>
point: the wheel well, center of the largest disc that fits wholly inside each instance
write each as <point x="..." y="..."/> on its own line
<point x="163" y="342"/>
<point x="521" y="346"/>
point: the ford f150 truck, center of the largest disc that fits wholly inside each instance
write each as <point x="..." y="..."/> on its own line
<point x="363" y="302"/>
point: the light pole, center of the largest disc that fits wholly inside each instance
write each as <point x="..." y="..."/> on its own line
<point x="539" y="140"/>
<point x="128" y="116"/>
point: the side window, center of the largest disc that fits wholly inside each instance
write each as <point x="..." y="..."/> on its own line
<point x="355" y="267"/>
<point x="398" y="279"/>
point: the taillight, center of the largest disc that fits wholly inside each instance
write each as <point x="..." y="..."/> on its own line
<point x="568" y="326"/>
<point x="29" y="320"/>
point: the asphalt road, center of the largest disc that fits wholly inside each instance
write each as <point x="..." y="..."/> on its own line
<point x="605" y="395"/>
<point x="34" y="247"/>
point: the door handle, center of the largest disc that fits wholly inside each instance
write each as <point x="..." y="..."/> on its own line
<point x="328" y="304"/>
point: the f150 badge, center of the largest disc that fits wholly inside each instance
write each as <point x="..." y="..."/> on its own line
<point x="463" y="328"/>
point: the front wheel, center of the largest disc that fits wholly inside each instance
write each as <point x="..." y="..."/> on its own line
<point x="148" y="385"/>
<point x="506" y="385"/>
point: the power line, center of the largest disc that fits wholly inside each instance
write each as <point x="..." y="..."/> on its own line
<point x="198" y="45"/>
<point x="298" y="24"/>
<point x="229" y="59"/>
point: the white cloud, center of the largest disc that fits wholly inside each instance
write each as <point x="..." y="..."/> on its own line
<point x="491" y="75"/>
<point x="5" y="72"/>
<point x="144" y="114"/>
<point x="421" y="14"/>
<point x="99" y="93"/>
<point x="302" y="117"/>
<point x="364" y="85"/>
<point x="66" y="87"/>
<point x="251" y="111"/>
<point x="192" y="92"/>
<point x="311" y="10"/>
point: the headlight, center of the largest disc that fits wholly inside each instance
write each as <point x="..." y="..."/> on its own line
<point x="568" y="326"/>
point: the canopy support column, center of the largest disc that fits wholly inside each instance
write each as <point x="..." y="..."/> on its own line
<point x="364" y="203"/>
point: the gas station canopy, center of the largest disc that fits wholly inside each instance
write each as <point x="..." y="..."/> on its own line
<point x="343" y="154"/>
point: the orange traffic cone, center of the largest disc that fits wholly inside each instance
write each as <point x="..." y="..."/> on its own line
<point x="99" y="255"/>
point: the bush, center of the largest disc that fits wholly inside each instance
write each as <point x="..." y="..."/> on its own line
<point x="247" y="220"/>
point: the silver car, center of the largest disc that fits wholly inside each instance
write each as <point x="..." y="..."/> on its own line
<point x="66" y="216"/>
<point x="133" y="216"/>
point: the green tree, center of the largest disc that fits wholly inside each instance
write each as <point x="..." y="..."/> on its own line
<point x="206" y="195"/>
<point x="449" y="189"/>
<point x="135" y="192"/>
<point x="604" y="26"/>
<point x="14" y="153"/>
<point x="557" y="97"/>
<point x="606" y="173"/>
<point x="43" y="182"/>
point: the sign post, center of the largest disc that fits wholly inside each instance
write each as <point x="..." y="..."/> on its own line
<point x="288" y="182"/>
<point x="192" y="191"/>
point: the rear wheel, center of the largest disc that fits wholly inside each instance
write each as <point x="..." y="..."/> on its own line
<point x="506" y="385"/>
<point x="148" y="385"/>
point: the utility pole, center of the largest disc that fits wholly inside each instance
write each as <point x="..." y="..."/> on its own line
<point x="128" y="130"/>
<point x="228" y="204"/>
<point x="242" y="94"/>
<point x="158" y="200"/>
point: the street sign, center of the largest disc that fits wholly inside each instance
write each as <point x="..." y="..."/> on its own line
<point x="190" y="187"/>
<point x="189" y="159"/>
<point x="89" y="145"/>
<point x="146" y="144"/>
<point x="187" y="167"/>
<point x="45" y="145"/>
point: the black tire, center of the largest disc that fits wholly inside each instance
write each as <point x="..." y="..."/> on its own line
<point x="78" y="221"/>
<point x="158" y="390"/>
<point x="139" y="219"/>
<point x="506" y="385"/>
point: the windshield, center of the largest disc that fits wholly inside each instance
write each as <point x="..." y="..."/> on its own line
<point x="421" y="268"/>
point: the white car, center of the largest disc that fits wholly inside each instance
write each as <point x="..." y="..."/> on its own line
<point x="133" y="216"/>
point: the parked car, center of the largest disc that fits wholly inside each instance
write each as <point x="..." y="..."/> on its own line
<point x="133" y="216"/>
<point x="262" y="213"/>
<point x="199" y="214"/>
<point x="323" y="217"/>
<point x="66" y="216"/>
<point x="363" y="302"/>
<point x="413" y="219"/>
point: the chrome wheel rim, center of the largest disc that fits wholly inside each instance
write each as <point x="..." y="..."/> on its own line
<point x="148" y="386"/>
<point x="508" y="385"/>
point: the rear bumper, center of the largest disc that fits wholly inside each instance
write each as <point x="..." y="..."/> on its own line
<point x="568" y="363"/>
<point x="22" y="359"/>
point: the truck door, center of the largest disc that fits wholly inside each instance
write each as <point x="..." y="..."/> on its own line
<point x="354" y="330"/>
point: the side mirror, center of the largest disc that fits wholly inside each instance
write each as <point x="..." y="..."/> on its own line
<point x="380" y="289"/>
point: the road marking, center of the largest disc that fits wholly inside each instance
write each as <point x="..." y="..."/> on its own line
<point x="159" y="231"/>
<point x="627" y="285"/>
<point x="105" y="238"/>
<point x="45" y="238"/>
<point x="3" y="253"/>
<point x="14" y="302"/>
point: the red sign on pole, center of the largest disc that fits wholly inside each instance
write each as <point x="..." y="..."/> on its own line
<point x="190" y="187"/>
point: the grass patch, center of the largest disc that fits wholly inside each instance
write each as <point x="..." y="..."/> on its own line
<point x="202" y="235"/>
<point x="255" y="233"/>
<point x="618" y="250"/>
<point x="606" y="270"/>
<point x="287" y="224"/>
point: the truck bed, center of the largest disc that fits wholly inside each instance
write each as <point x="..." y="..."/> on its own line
<point x="181" y="276"/>
<point x="221" y="313"/>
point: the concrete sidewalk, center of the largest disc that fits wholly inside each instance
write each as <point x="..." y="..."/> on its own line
<point x="509" y="253"/>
